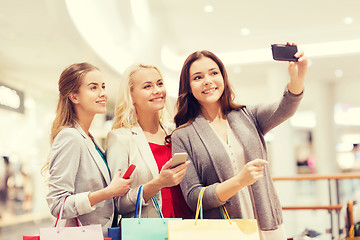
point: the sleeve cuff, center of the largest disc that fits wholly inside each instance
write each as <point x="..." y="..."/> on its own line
<point x="211" y="196"/>
<point x="82" y="203"/>
<point x="287" y="91"/>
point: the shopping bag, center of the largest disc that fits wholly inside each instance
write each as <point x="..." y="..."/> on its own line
<point x="144" y="228"/>
<point x="31" y="237"/>
<point x="353" y="231"/>
<point x="89" y="232"/>
<point x="114" y="233"/>
<point x="212" y="229"/>
<point x="38" y="237"/>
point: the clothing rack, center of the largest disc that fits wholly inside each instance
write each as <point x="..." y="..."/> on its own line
<point x="334" y="206"/>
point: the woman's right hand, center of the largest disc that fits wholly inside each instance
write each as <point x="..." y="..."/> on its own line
<point x="169" y="177"/>
<point x="249" y="174"/>
<point x="119" y="186"/>
<point x="252" y="171"/>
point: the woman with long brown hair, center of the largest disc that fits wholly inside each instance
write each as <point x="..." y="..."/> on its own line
<point x="77" y="165"/>
<point x="225" y="142"/>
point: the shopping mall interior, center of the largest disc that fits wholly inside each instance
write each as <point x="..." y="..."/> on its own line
<point x="314" y="156"/>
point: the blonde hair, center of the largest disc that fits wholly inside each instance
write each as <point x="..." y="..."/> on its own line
<point x="125" y="112"/>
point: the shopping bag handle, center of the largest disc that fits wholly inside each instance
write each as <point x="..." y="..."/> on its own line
<point x="139" y="204"/>
<point x="157" y="206"/>
<point x="199" y="210"/>
<point x="59" y="217"/>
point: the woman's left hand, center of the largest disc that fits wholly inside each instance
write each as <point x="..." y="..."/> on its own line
<point x="297" y="71"/>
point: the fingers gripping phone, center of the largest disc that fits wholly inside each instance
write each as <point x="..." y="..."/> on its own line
<point x="284" y="52"/>
<point x="178" y="159"/>
<point x="129" y="171"/>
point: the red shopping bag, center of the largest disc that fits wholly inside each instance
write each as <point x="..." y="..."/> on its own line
<point x="31" y="237"/>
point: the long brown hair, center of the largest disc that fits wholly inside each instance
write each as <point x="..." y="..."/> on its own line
<point x="188" y="107"/>
<point x="69" y="82"/>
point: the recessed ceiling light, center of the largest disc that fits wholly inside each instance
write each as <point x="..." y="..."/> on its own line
<point x="244" y="31"/>
<point x="348" y="20"/>
<point x="208" y="8"/>
<point x="339" y="73"/>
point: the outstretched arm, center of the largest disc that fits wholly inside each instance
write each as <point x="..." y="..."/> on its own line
<point x="297" y="71"/>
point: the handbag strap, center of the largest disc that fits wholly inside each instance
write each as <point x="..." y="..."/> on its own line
<point x="59" y="217"/>
<point x="157" y="206"/>
<point x="139" y="203"/>
<point x="199" y="210"/>
<point x="224" y="212"/>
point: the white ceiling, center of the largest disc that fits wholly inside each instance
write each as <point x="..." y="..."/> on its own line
<point x="39" y="38"/>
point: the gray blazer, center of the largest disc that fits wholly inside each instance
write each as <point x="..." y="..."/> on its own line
<point x="76" y="169"/>
<point x="210" y="164"/>
<point x="127" y="146"/>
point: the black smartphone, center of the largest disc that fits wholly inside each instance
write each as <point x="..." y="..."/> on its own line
<point x="284" y="52"/>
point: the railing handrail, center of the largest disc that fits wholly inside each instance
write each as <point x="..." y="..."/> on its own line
<point x="318" y="177"/>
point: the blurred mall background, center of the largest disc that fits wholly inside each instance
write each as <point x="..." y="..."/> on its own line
<point x="39" y="38"/>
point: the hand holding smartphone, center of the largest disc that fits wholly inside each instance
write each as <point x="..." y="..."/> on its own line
<point x="129" y="171"/>
<point x="284" y="52"/>
<point x="178" y="159"/>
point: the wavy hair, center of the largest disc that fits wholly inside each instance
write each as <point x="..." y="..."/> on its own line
<point x="125" y="112"/>
<point x="188" y="107"/>
<point x="69" y="82"/>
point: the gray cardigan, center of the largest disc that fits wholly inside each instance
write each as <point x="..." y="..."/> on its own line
<point x="210" y="164"/>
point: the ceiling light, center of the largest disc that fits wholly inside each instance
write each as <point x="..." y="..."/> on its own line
<point x="339" y="73"/>
<point x="244" y="31"/>
<point x="348" y="20"/>
<point x="208" y="8"/>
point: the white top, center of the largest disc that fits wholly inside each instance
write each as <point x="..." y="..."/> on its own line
<point x="235" y="152"/>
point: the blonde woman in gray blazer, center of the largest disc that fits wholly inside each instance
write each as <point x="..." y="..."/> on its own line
<point x="139" y="120"/>
<point x="77" y="165"/>
<point x="225" y="142"/>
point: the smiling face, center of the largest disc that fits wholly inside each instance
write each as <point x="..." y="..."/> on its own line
<point x="206" y="81"/>
<point x="91" y="97"/>
<point x="148" y="91"/>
